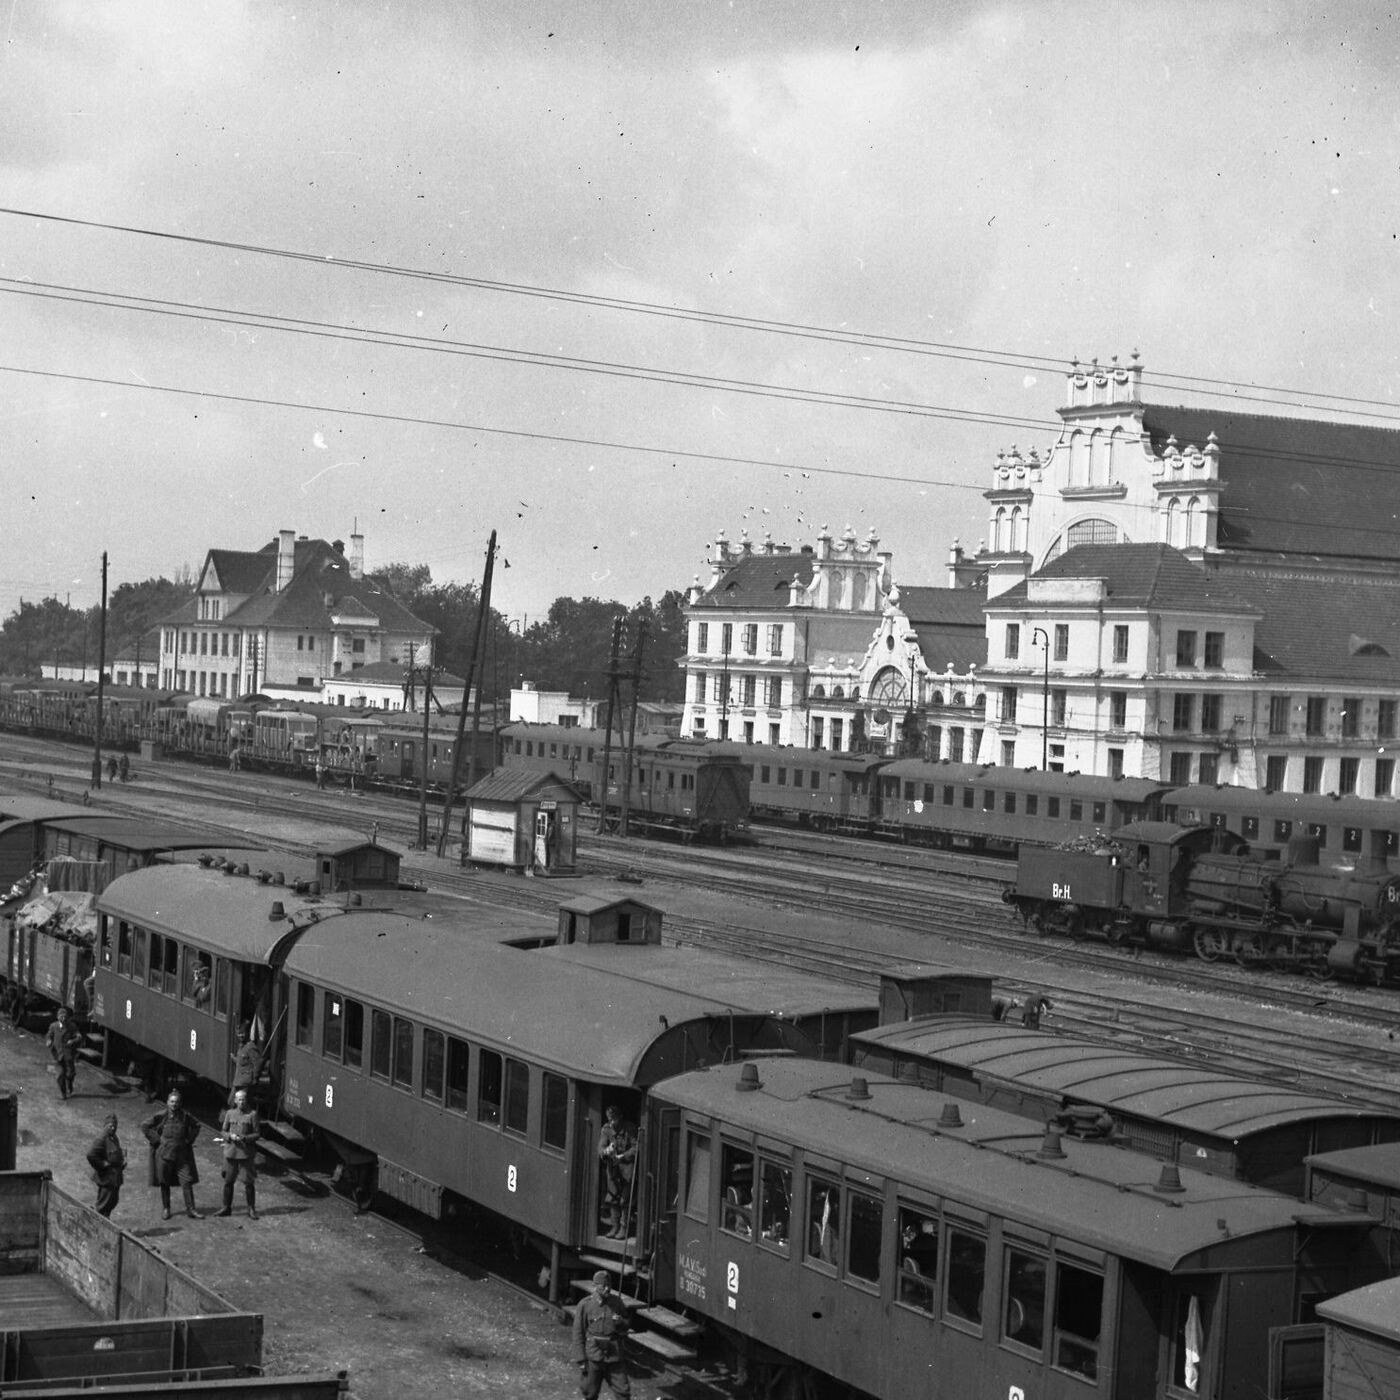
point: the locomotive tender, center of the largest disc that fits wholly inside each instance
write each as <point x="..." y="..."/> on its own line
<point x="1198" y="889"/>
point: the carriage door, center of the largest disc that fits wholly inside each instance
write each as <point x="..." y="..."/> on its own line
<point x="406" y="759"/>
<point x="660" y="1203"/>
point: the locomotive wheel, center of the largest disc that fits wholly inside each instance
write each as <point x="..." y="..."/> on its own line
<point x="1320" y="970"/>
<point x="1249" y="951"/>
<point x="1211" y="945"/>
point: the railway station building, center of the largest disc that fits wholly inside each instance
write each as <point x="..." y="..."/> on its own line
<point x="288" y="617"/>
<point x="1198" y="595"/>
<point x="819" y="648"/>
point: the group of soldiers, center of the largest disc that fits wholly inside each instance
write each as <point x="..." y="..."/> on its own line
<point x="171" y="1132"/>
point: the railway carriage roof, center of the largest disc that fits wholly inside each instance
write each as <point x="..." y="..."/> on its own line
<point x="137" y="834"/>
<point x="1373" y="1309"/>
<point x="229" y="914"/>
<point x="1096" y="1195"/>
<point x="37" y="809"/>
<point x="1025" y="779"/>
<point x="583" y="1021"/>
<point x="1377" y="1166"/>
<point x="738" y="982"/>
<point x="1190" y="1097"/>
<point x="1300" y="806"/>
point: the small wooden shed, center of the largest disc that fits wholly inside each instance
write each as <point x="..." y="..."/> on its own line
<point x="590" y="919"/>
<point x="524" y="819"/>
<point x="357" y="865"/>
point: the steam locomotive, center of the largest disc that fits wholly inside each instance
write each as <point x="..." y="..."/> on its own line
<point x="1199" y="889"/>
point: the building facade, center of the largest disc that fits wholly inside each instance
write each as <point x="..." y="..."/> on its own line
<point x="288" y="617"/>
<point x="1198" y="595"/>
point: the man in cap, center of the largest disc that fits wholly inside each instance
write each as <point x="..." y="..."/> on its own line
<point x="600" y="1323"/>
<point x="63" y="1039"/>
<point x="108" y="1163"/>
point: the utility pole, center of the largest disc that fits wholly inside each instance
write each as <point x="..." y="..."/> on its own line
<point x="613" y="701"/>
<point x="101" y="667"/>
<point x="423" y="766"/>
<point x="476" y="663"/>
<point x="1045" y="698"/>
<point x="636" y="678"/>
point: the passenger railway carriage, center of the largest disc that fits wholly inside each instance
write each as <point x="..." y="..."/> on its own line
<point x="855" y="1230"/>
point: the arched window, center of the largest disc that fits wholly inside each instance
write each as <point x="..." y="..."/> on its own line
<point x="1173" y="520"/>
<point x="1098" y="458"/>
<point x="937" y="698"/>
<point x="858" y="593"/>
<point x="999" y="531"/>
<point x="819" y="691"/>
<point x="1193" y="511"/>
<point x="1078" y="459"/>
<point x="838" y="692"/>
<point x="838" y="591"/>
<point x="1017" y="535"/>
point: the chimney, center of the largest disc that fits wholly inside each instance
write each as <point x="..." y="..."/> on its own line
<point x="286" y="558"/>
<point x="357" y="554"/>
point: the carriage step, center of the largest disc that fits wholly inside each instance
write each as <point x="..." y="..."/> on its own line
<point x="673" y="1322"/>
<point x="276" y="1149"/>
<point x="614" y="1264"/>
<point x="664" y="1347"/>
<point x="90" y="1053"/>
<point x="288" y="1133"/>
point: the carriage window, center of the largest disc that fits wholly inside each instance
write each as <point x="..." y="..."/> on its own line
<point x="403" y="1053"/>
<point x="554" y="1130"/>
<point x="697" y="1176"/>
<point x="736" y="1204"/>
<point x="1283" y="830"/>
<point x="124" y="942"/>
<point x="967" y="1273"/>
<point x="332" y="1026"/>
<point x="968" y="796"/>
<point x="223" y="987"/>
<point x="989" y="801"/>
<point x="1008" y="803"/>
<point x="1023" y="1313"/>
<point x="865" y="1227"/>
<point x="381" y="1046"/>
<point x="782" y="777"/>
<point x="918" y="1259"/>
<point x="1078" y="1320"/>
<point x="1032" y="803"/>
<point x="1249" y="828"/>
<point x="488" y="1094"/>
<point x="1319" y="830"/>
<point x="1052" y="808"/>
<point x="171" y="978"/>
<point x="157" y="960"/>
<point x="908" y="792"/>
<point x="1351" y="838"/>
<point x="1190" y="1342"/>
<point x="306" y="1015"/>
<point x="823" y="1222"/>
<point x="432" y="1064"/>
<point x="763" y="774"/>
<point x="354" y="1034"/>
<point x="775" y="1204"/>
<point x="458" y="1062"/>
<point x="1100" y="812"/>
<point x="517" y="1097"/>
<point x="1076" y="810"/>
<point x="947" y="794"/>
<point x="138" y="955"/>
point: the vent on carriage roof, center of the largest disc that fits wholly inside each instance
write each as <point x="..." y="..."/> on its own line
<point x="1363" y="646"/>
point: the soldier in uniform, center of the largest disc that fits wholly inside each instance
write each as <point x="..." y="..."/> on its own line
<point x="63" y="1040"/>
<point x="247" y="1063"/>
<point x="108" y="1163"/>
<point x="599" y="1325"/>
<point x="240" y="1127"/>
<point x="617" y="1150"/>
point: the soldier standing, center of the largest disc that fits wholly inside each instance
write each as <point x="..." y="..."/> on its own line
<point x="599" y="1325"/>
<point x="108" y="1163"/>
<point x="240" y="1127"/>
<point x="63" y="1039"/>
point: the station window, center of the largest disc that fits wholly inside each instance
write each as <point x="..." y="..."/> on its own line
<point x="554" y="1127"/>
<point x="1078" y="1320"/>
<point x="332" y="1026"/>
<point x="918" y="1260"/>
<point x="967" y="1276"/>
<point x="1023" y="1307"/>
<point x="403" y="1053"/>
<point x="381" y="1050"/>
<point x="865" y="1227"/>
<point x="458" y="1064"/>
<point x="736" y="1203"/>
<point x="1214" y="654"/>
<point x="823" y="1222"/>
<point x="697" y="1176"/>
<point x="488" y="1092"/>
<point x="354" y="1034"/>
<point x="775" y="1205"/>
<point x="1052" y="808"/>
<point x="517" y="1105"/>
<point x="434" y="1057"/>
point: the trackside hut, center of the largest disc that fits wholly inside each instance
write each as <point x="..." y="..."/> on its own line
<point x="523" y="819"/>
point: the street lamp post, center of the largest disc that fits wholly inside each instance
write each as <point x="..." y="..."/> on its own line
<point x="1040" y="637"/>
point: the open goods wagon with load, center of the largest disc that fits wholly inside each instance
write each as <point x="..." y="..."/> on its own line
<point x="85" y="1306"/>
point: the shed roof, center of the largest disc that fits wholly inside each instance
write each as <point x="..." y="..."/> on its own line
<point x="1376" y="1166"/>
<point x="1374" y="1309"/>
<point x="516" y="784"/>
<point x="1099" y="1195"/>
<point x="1190" y="1097"/>
<point x="141" y="834"/>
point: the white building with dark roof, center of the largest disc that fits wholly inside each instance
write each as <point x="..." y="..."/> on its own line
<point x="290" y="616"/>
<point x="1263" y="635"/>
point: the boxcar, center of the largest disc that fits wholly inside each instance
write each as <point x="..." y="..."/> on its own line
<point x="1347" y="829"/>
<point x="847" y="1228"/>
<point x="1183" y="1111"/>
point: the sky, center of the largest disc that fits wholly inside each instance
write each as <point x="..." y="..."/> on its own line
<point x="436" y="269"/>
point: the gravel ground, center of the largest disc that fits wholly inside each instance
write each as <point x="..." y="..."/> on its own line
<point x="336" y="1290"/>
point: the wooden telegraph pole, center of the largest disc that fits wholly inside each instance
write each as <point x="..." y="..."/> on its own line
<point x="614" y="701"/>
<point x="101" y="667"/>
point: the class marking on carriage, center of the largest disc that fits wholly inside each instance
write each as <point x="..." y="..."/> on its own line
<point x="512" y="1177"/>
<point x="1059" y="891"/>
